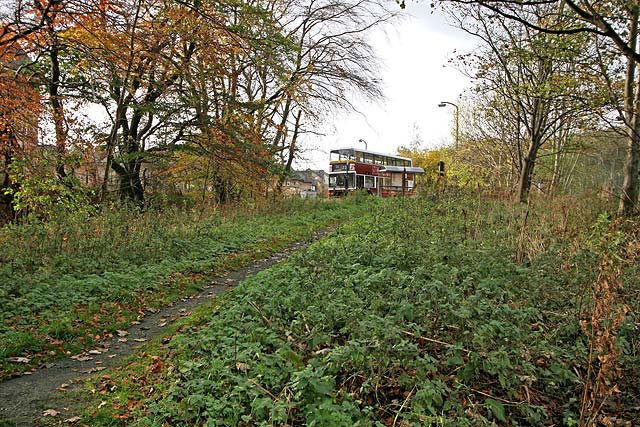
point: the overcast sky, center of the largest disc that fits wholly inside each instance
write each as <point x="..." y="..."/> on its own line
<point x="417" y="76"/>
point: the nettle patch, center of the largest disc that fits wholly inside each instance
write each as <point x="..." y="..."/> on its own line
<point x="400" y="318"/>
<point x="63" y="287"/>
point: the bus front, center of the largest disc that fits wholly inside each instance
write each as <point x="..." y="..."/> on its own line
<point x="342" y="172"/>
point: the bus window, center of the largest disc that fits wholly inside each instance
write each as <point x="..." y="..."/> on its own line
<point x="342" y="181"/>
<point x="338" y="181"/>
<point x="368" y="158"/>
<point x="369" y="182"/>
<point x="359" y="156"/>
<point x="339" y="167"/>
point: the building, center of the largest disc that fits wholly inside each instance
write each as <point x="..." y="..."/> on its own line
<point x="307" y="184"/>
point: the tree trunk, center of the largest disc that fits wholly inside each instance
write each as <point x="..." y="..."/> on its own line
<point x="6" y="197"/>
<point x="629" y="191"/>
<point x="292" y="153"/>
<point x="57" y="110"/>
<point x="555" y="179"/>
<point x="526" y="173"/>
<point x="131" y="188"/>
<point x="121" y="109"/>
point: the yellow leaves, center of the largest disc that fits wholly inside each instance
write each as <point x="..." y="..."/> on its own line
<point x="426" y="159"/>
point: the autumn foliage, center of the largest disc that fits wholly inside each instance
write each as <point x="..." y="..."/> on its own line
<point x="137" y="99"/>
<point x="19" y="107"/>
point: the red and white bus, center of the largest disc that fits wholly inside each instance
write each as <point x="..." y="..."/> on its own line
<point x="352" y="169"/>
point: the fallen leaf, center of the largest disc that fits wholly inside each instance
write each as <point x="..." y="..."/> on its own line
<point x="82" y="357"/>
<point x="140" y="339"/>
<point x="241" y="366"/>
<point x="72" y="420"/>
<point x="122" y="333"/>
<point x="92" y="370"/>
<point x="19" y="359"/>
<point x="50" y="413"/>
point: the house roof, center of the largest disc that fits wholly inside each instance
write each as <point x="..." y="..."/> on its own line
<point x="308" y="175"/>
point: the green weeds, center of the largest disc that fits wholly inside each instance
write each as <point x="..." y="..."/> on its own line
<point x="64" y="284"/>
<point x="415" y="314"/>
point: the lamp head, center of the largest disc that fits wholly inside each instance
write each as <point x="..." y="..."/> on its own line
<point x="442" y="104"/>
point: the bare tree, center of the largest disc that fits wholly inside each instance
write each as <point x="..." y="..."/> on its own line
<point x="614" y="22"/>
<point x="533" y="80"/>
<point x="333" y="61"/>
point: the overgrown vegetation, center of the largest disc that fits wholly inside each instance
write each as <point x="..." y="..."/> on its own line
<point x="424" y="312"/>
<point x="69" y="281"/>
<point x="215" y="114"/>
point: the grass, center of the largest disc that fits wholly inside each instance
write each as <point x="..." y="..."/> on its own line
<point x="67" y="283"/>
<point x="451" y="312"/>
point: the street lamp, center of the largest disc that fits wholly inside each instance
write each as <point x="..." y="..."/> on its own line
<point x="365" y="144"/>
<point x="444" y="104"/>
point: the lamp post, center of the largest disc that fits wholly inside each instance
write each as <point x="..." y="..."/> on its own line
<point x="365" y="144"/>
<point x="444" y="104"/>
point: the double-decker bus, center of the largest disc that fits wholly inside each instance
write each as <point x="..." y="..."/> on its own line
<point x="352" y="169"/>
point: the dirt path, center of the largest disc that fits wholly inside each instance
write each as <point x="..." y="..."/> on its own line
<point x="37" y="399"/>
